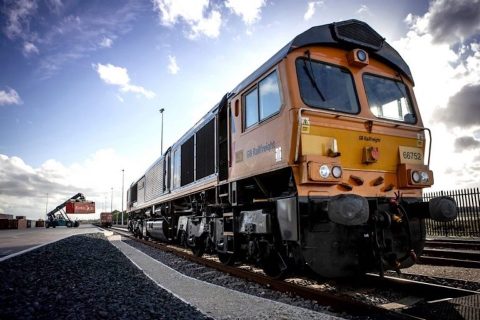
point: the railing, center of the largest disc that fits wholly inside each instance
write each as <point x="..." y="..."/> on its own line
<point x="467" y="223"/>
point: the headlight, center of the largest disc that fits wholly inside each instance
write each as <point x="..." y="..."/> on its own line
<point x="336" y="172"/>
<point x="324" y="171"/>
<point x="424" y="177"/>
<point x="361" y="55"/>
<point x="416" y="176"/>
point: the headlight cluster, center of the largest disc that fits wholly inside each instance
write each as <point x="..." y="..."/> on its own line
<point x="325" y="171"/>
<point x="420" y="177"/>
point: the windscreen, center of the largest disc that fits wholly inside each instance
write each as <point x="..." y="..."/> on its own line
<point x="326" y="86"/>
<point x="388" y="98"/>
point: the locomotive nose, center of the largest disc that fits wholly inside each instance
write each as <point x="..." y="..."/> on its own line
<point x="443" y="209"/>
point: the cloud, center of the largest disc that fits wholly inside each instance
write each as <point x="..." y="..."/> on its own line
<point x="249" y="11"/>
<point x="55" y="6"/>
<point x="62" y="33"/>
<point x="463" y="109"/>
<point x="466" y="143"/>
<point x="446" y="76"/>
<point x="29" y="49"/>
<point x="172" y="65"/>
<point x="195" y="13"/>
<point x="364" y="10"/>
<point x="23" y="188"/>
<point x="311" y="8"/>
<point x="106" y="42"/>
<point x="453" y="21"/>
<point x="9" y="96"/>
<point x="18" y="13"/>
<point x="118" y="76"/>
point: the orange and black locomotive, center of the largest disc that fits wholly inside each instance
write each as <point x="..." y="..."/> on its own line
<point x="316" y="160"/>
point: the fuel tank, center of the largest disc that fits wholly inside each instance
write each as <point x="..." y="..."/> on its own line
<point x="159" y="229"/>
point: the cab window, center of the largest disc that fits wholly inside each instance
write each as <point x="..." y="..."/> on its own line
<point x="326" y="86"/>
<point x="262" y="101"/>
<point x="388" y="99"/>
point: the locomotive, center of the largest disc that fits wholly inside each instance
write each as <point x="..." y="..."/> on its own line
<point x="316" y="160"/>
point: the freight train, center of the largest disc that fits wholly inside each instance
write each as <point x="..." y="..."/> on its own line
<point x="317" y="160"/>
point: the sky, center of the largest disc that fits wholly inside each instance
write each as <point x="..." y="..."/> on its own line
<point x="82" y="82"/>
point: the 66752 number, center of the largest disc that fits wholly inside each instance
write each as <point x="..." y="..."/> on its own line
<point x="412" y="155"/>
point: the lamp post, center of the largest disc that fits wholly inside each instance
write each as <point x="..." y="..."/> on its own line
<point x="161" y="137"/>
<point x="123" y="180"/>
<point x="46" y="206"/>
<point x="111" y="201"/>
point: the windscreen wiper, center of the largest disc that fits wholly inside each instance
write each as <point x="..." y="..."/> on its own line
<point x="311" y="75"/>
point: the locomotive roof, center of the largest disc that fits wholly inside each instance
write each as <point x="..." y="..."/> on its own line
<point x="348" y="34"/>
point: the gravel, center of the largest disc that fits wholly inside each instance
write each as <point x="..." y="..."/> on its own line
<point x="83" y="277"/>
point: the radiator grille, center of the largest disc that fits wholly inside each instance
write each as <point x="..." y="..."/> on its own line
<point x="359" y="33"/>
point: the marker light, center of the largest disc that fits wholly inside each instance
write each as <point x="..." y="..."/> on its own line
<point x="336" y="172"/>
<point x="324" y="171"/>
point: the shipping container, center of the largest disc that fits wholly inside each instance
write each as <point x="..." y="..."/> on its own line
<point x="29" y="223"/>
<point x="6" y="216"/>
<point x="22" y="223"/>
<point x="12" y="224"/>
<point x="4" y="224"/>
<point x="106" y="219"/>
<point x="80" y="207"/>
<point x="21" y="217"/>
<point x="40" y="224"/>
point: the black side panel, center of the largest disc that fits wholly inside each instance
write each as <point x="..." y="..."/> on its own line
<point x="133" y="193"/>
<point x="222" y="156"/>
<point x="205" y="151"/>
<point x="187" y="162"/>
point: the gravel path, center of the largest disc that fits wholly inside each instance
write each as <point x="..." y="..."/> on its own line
<point x="83" y="277"/>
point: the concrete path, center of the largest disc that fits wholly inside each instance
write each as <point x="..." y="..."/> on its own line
<point x="15" y="242"/>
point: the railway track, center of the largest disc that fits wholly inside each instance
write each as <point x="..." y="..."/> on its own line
<point x="458" y="253"/>
<point x="349" y="294"/>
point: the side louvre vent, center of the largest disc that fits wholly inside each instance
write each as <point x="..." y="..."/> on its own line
<point x="358" y="33"/>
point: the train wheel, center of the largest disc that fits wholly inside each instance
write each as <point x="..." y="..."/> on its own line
<point x="199" y="247"/>
<point x="226" y="258"/>
<point x="274" y="266"/>
<point x="198" y="250"/>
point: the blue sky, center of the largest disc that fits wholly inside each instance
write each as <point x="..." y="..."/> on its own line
<point x="81" y="82"/>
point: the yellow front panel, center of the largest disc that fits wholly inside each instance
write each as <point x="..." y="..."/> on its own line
<point x="351" y="146"/>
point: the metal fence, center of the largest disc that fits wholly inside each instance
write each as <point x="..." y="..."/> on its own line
<point x="467" y="223"/>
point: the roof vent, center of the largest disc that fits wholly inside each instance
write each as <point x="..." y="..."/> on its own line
<point x="358" y="33"/>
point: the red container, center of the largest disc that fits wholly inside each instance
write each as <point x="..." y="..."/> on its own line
<point x="80" y="207"/>
<point x="106" y="219"/>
